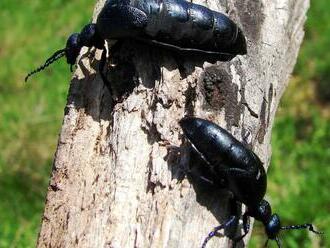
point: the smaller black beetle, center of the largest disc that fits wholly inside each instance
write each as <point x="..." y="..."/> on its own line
<point x="240" y="171"/>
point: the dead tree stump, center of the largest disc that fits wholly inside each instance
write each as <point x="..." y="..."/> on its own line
<point x="114" y="182"/>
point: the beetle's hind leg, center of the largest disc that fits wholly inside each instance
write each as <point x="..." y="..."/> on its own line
<point x="232" y="220"/>
<point x="230" y="225"/>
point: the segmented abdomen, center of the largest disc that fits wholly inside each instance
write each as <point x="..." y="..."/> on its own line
<point x="189" y="25"/>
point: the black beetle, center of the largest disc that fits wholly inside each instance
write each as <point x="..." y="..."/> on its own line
<point x="173" y="24"/>
<point x="238" y="170"/>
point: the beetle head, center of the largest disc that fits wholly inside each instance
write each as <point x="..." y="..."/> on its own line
<point x="273" y="226"/>
<point x="272" y="223"/>
<point x="87" y="37"/>
<point x="72" y="49"/>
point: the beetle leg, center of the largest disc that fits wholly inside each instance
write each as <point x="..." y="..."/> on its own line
<point x="101" y="69"/>
<point x="214" y="232"/>
<point x="246" y="224"/>
<point x="206" y="177"/>
<point x="202" y="171"/>
<point x="234" y="209"/>
<point x="278" y="242"/>
<point x="201" y="179"/>
<point x="266" y="243"/>
<point x="200" y="174"/>
<point x="246" y="228"/>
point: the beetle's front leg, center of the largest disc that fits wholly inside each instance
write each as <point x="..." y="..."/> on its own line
<point x="246" y="228"/>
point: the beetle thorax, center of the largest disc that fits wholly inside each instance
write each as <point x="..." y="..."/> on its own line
<point x="88" y="37"/>
<point x="263" y="212"/>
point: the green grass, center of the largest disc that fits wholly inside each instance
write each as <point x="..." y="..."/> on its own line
<point x="314" y="60"/>
<point x="299" y="175"/>
<point x="31" y="116"/>
<point x="298" y="182"/>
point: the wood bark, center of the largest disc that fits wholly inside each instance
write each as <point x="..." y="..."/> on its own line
<point x="116" y="179"/>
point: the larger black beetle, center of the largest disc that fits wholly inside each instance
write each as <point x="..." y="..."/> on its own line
<point x="240" y="171"/>
<point x="174" y="24"/>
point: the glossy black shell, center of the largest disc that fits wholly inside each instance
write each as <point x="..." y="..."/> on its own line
<point x="229" y="159"/>
<point x="175" y="22"/>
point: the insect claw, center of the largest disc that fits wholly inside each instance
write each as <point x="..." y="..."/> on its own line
<point x="266" y="243"/>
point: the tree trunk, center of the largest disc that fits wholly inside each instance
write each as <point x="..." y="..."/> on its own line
<point x="115" y="182"/>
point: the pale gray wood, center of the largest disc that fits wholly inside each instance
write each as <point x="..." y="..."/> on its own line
<point x="115" y="181"/>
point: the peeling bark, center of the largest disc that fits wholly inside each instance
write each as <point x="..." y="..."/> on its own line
<point x="115" y="182"/>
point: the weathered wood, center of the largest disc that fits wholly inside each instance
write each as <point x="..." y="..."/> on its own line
<point x="115" y="183"/>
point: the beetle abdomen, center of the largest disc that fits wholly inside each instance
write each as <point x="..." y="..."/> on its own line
<point x="216" y="144"/>
<point x="174" y="22"/>
<point x="228" y="158"/>
<point x="191" y="25"/>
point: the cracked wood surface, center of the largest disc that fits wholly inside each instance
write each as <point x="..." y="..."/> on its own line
<point x="115" y="182"/>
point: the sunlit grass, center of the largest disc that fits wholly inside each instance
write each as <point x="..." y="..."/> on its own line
<point x="298" y="181"/>
<point x="31" y="114"/>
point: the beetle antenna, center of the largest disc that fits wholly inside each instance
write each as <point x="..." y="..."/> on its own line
<point x="57" y="55"/>
<point x="303" y="226"/>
